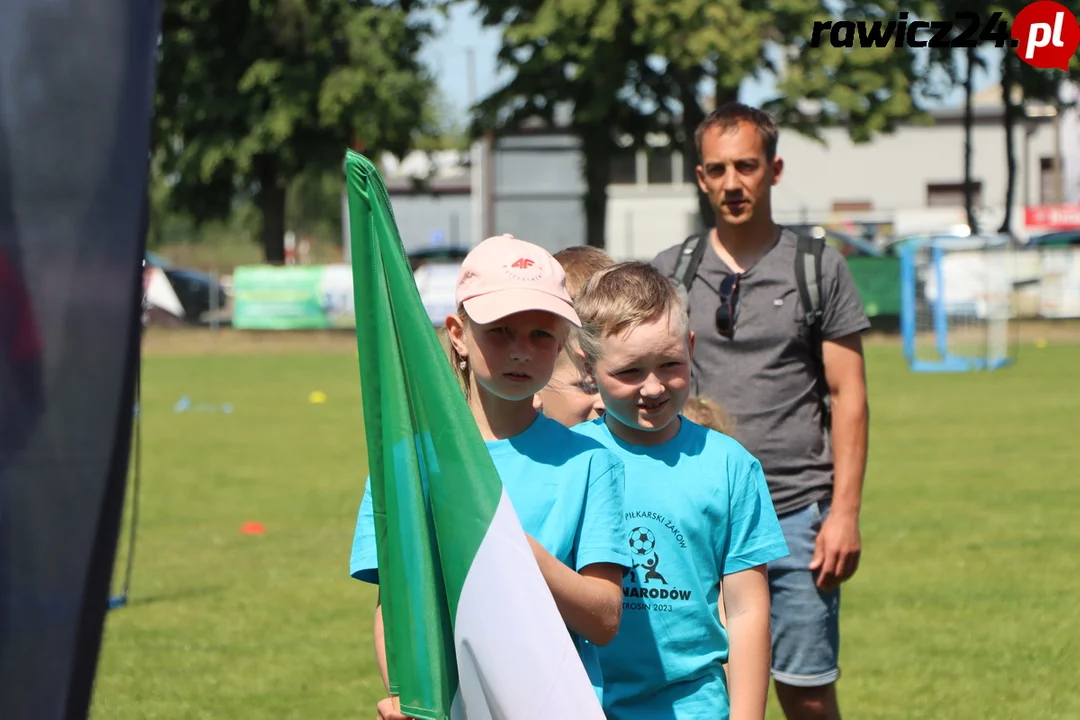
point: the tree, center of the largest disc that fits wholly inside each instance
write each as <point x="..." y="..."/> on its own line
<point x="250" y="94"/>
<point x="1009" y="63"/>
<point x="1034" y="85"/>
<point x="575" y="55"/>
<point x="698" y="42"/>
<point x="724" y="45"/>
<point x="945" y="69"/>
<point x="638" y="66"/>
<point x="972" y="61"/>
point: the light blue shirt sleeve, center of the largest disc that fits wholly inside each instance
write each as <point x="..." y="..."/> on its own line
<point x="364" y="561"/>
<point x="754" y="536"/>
<point x="602" y="535"/>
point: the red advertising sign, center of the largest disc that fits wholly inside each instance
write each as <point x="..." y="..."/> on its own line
<point x="1052" y="217"/>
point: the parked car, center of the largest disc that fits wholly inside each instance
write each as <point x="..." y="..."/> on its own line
<point x="435" y="271"/>
<point x="192" y="288"/>
<point x="446" y="254"/>
<point x="1059" y="238"/>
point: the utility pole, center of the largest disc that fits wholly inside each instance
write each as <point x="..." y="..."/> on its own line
<point x="478" y="181"/>
<point x="470" y="74"/>
<point x="1059" y="185"/>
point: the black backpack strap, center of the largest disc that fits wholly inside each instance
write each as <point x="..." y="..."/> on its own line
<point x="686" y="265"/>
<point x="808" y="279"/>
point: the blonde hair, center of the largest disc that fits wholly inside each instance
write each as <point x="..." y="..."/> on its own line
<point x="708" y="413"/>
<point x="457" y="362"/>
<point x="621" y="297"/>
<point x="451" y="354"/>
<point x="580" y="263"/>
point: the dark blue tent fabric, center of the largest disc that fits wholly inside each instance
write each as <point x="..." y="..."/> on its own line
<point x="76" y="85"/>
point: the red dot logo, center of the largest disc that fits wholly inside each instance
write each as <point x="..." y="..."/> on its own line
<point x="1046" y="34"/>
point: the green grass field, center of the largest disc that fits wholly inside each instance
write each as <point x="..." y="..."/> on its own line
<point x="965" y="606"/>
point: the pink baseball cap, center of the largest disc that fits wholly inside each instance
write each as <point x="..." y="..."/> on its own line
<point x="504" y="275"/>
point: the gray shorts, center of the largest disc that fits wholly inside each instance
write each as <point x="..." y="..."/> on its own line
<point x="805" y="621"/>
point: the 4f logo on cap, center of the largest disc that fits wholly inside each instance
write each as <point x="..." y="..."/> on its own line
<point x="1046" y="35"/>
<point x="524" y="269"/>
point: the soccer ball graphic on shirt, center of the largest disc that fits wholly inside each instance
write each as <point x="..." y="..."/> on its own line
<point x="642" y="541"/>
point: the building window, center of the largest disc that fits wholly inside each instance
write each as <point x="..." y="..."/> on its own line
<point x="624" y="168"/>
<point x="952" y="194"/>
<point x="659" y="167"/>
<point x="852" y="206"/>
<point x="1047" y="191"/>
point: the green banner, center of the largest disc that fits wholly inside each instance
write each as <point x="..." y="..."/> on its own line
<point x="878" y="283"/>
<point x="304" y="297"/>
<point x="319" y="297"/>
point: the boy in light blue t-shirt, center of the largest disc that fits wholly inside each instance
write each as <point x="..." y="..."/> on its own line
<point x="698" y="517"/>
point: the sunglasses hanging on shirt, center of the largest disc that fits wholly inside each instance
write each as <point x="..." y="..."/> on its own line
<point x="728" y="311"/>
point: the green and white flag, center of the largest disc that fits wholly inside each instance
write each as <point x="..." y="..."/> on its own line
<point x="472" y="630"/>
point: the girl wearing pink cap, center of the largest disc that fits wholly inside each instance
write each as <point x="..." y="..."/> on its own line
<point x="514" y="315"/>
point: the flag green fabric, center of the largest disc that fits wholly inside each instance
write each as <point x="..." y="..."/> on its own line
<point x="471" y="629"/>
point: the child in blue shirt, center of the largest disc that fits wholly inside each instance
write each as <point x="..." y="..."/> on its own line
<point x="513" y="320"/>
<point x="698" y="517"/>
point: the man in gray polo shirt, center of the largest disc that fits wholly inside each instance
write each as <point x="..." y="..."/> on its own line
<point x="754" y="357"/>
